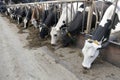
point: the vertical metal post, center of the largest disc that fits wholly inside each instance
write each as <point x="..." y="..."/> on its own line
<point x="10" y="2"/>
<point x="61" y="4"/>
<point x="77" y="6"/>
<point x="89" y="20"/>
<point x="71" y="10"/>
<point x="83" y="17"/>
<point x="66" y="13"/>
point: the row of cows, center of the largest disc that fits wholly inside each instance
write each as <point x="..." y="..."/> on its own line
<point x="65" y="23"/>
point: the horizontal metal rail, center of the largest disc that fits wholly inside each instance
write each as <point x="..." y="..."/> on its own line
<point x="90" y="2"/>
<point x="47" y="2"/>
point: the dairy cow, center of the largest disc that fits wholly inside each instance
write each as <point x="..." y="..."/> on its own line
<point x="28" y="16"/>
<point x="79" y="23"/>
<point x="101" y="35"/>
<point x="36" y="16"/>
<point x="48" y="21"/>
<point x="3" y="8"/>
<point x="65" y="16"/>
<point x="19" y="14"/>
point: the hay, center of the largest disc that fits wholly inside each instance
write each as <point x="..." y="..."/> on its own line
<point x="35" y="41"/>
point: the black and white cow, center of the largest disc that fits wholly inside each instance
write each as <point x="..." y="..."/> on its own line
<point x="7" y="13"/>
<point x="28" y="16"/>
<point x="79" y="23"/>
<point x="101" y="35"/>
<point x="3" y="7"/>
<point x="16" y="13"/>
<point x="75" y="27"/>
<point x="55" y="32"/>
<point x="65" y="16"/>
<point x="20" y="14"/>
<point x="49" y="20"/>
<point x="10" y="12"/>
<point x="36" y="16"/>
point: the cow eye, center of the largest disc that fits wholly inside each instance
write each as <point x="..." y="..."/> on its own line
<point x="55" y="35"/>
<point x="91" y="56"/>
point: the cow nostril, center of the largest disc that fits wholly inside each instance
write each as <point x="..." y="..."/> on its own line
<point x="55" y="35"/>
<point x="91" y="56"/>
<point x="85" y="68"/>
<point x="53" y="44"/>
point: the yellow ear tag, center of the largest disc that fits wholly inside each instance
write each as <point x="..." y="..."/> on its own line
<point x="96" y="42"/>
<point x="69" y="34"/>
<point x="89" y="40"/>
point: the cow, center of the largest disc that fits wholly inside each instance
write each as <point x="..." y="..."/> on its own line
<point x="79" y="23"/>
<point x="73" y="30"/>
<point x="48" y="21"/>
<point x="28" y="16"/>
<point x="10" y="12"/>
<point x="56" y="32"/>
<point x="101" y="35"/>
<point x="20" y="14"/>
<point x="64" y="18"/>
<point x="3" y="7"/>
<point x="36" y="16"/>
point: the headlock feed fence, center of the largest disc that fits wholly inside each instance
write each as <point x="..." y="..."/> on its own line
<point x="63" y="3"/>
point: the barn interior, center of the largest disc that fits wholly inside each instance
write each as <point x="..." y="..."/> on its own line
<point x="33" y="58"/>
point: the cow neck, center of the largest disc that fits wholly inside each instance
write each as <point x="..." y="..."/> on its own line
<point x="107" y="20"/>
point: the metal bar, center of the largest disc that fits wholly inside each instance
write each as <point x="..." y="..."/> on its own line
<point x="113" y="16"/>
<point x="116" y="43"/>
<point x="89" y="20"/>
<point x="46" y="2"/>
<point x="71" y="10"/>
<point x="83" y="18"/>
<point x="66" y="13"/>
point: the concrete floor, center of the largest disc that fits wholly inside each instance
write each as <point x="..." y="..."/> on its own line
<point x="20" y="63"/>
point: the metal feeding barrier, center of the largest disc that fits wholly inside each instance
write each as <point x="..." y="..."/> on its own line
<point x="63" y="3"/>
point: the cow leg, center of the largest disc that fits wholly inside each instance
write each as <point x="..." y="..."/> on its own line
<point x="18" y="19"/>
<point x="34" y="22"/>
<point x="25" y="23"/>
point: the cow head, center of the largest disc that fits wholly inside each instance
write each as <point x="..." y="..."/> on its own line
<point x="66" y="37"/>
<point x="44" y="31"/>
<point x="55" y="35"/>
<point x="90" y="52"/>
<point x="9" y="11"/>
<point x="34" y="22"/>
